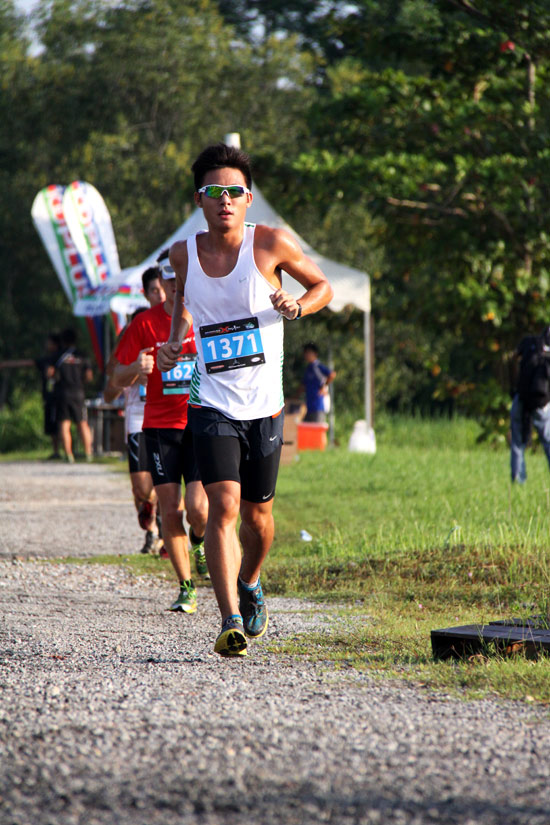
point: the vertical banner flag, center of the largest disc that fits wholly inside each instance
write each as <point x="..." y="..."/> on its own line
<point x="91" y="229"/>
<point x="49" y="220"/>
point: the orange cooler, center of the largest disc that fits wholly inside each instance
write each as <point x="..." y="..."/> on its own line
<point x="312" y="435"/>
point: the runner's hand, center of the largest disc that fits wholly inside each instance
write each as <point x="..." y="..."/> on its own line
<point x="167" y="356"/>
<point x="145" y="361"/>
<point x="285" y="303"/>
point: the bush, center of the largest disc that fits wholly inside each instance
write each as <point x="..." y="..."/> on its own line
<point x="22" y="424"/>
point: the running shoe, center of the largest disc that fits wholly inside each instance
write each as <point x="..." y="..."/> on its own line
<point x="231" y="641"/>
<point x="187" y="599"/>
<point x="200" y="558"/>
<point x="152" y="544"/>
<point x="253" y="609"/>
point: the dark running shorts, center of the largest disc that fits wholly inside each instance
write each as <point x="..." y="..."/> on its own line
<point x="137" y="453"/>
<point x="50" y="417"/>
<point x="244" y="451"/>
<point x="170" y="455"/>
<point x="71" y="407"/>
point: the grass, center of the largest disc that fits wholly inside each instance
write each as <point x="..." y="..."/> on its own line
<point x="427" y="533"/>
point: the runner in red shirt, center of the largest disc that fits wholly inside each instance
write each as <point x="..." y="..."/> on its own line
<point x="169" y="444"/>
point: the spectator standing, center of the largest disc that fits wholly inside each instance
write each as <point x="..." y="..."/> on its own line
<point x="46" y="366"/>
<point x="531" y="401"/>
<point x="72" y="372"/>
<point x="317" y="378"/>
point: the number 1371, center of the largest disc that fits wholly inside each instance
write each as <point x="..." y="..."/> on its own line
<point x="233" y="347"/>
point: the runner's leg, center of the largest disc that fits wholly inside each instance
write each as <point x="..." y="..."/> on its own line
<point x="170" y="502"/>
<point x="196" y="507"/>
<point x="220" y="543"/>
<point x="256" y="534"/>
<point x="143" y="491"/>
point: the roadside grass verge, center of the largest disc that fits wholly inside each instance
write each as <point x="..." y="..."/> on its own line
<point x="427" y="533"/>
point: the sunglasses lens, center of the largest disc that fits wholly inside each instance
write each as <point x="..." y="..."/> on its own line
<point x="168" y="270"/>
<point x="214" y="191"/>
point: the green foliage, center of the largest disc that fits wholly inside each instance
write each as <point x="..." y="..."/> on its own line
<point x="432" y="117"/>
<point x="22" y="424"/>
<point x="128" y="114"/>
<point x="408" y="139"/>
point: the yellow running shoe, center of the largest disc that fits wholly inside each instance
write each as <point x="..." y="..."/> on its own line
<point x="231" y="641"/>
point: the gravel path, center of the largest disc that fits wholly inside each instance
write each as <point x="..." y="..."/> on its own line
<point x="114" y="711"/>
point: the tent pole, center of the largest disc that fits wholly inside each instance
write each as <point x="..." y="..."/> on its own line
<point x="369" y="383"/>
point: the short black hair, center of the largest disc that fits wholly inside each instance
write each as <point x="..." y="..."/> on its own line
<point x="219" y="156"/>
<point x="149" y="275"/>
<point x="164" y="255"/>
<point x="68" y="337"/>
<point x="311" y="346"/>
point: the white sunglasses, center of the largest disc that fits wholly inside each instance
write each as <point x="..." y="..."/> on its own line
<point x="213" y="190"/>
<point x="167" y="270"/>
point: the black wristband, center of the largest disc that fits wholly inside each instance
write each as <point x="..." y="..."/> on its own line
<point x="299" y="314"/>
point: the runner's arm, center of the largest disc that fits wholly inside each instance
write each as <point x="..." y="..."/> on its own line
<point x="111" y="392"/>
<point x="125" y="374"/>
<point x="290" y="257"/>
<point x="168" y="354"/>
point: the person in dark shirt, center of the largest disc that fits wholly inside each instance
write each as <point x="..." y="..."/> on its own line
<point x="46" y="367"/>
<point x="72" y="371"/>
<point x="530" y="400"/>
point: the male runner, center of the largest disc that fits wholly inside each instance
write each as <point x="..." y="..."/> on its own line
<point x="145" y="498"/>
<point x="169" y="444"/>
<point x="230" y="280"/>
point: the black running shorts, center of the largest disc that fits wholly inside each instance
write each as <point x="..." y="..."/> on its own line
<point x="137" y="453"/>
<point x="170" y="455"/>
<point x="244" y="451"/>
<point x="71" y="407"/>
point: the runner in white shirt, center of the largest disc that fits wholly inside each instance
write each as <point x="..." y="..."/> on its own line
<point x="230" y="280"/>
<point x="145" y="498"/>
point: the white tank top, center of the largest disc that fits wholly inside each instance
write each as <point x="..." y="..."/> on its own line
<point x="239" y="369"/>
<point x="134" y="406"/>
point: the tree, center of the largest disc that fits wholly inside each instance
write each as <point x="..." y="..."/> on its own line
<point x="127" y="114"/>
<point x="436" y="122"/>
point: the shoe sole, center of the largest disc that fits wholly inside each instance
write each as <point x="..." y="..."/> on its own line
<point x="261" y="633"/>
<point x="183" y="609"/>
<point x="231" y="643"/>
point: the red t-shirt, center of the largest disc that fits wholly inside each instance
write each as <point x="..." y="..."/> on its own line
<point x="167" y="392"/>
